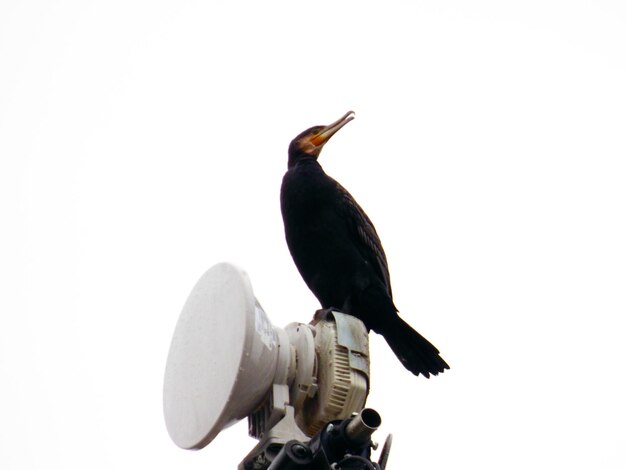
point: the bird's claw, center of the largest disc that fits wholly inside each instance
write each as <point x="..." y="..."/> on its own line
<point x="324" y="313"/>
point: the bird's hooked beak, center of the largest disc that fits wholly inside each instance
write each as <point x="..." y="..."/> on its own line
<point x="327" y="132"/>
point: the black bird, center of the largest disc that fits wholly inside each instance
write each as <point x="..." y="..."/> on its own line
<point x="338" y="253"/>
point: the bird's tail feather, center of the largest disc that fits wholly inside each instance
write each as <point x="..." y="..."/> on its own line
<point x="415" y="352"/>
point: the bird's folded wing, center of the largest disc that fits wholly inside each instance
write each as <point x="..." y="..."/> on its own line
<point x="365" y="236"/>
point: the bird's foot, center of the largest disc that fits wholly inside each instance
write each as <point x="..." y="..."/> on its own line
<point x="324" y="313"/>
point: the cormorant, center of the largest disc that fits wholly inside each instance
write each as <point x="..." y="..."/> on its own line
<point x="338" y="253"/>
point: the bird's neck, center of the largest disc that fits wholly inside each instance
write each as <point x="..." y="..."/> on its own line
<point x="303" y="160"/>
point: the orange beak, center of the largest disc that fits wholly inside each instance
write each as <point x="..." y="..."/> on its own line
<point x="325" y="134"/>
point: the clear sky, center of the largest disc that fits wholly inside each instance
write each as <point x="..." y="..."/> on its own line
<point x="141" y="142"/>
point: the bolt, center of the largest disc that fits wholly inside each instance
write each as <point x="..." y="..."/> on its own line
<point x="299" y="450"/>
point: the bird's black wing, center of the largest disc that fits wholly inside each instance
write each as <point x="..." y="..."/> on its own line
<point x="364" y="235"/>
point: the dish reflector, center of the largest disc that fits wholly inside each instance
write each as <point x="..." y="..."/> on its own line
<point x="222" y="358"/>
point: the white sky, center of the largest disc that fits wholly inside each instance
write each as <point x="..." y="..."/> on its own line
<point x="141" y="142"/>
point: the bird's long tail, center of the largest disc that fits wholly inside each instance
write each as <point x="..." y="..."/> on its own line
<point x="415" y="352"/>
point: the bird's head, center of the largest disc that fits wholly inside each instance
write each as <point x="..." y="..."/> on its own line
<point x="308" y="144"/>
